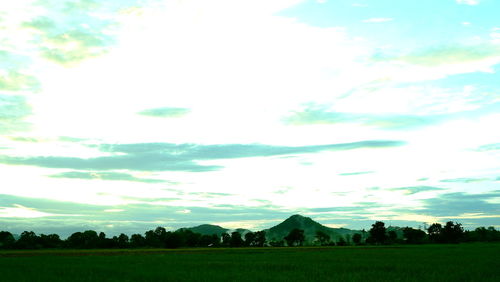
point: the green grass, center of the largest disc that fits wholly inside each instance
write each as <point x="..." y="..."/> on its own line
<point x="464" y="262"/>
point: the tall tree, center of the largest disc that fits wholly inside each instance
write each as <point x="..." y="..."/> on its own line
<point x="260" y="238"/>
<point x="152" y="239"/>
<point x="236" y="240"/>
<point x="28" y="240"/>
<point x="378" y="232"/>
<point x="452" y="232"/>
<point x="91" y="239"/>
<point x="6" y="240"/>
<point x="50" y="241"/>
<point x="137" y="241"/>
<point x="123" y="241"/>
<point x="434" y="232"/>
<point x="250" y="239"/>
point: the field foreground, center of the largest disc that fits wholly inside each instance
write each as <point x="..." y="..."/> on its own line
<point x="465" y="262"/>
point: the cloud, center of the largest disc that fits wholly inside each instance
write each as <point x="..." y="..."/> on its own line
<point x="320" y="114"/>
<point x="446" y="55"/>
<point x="495" y="35"/>
<point x="230" y="151"/>
<point x="378" y="20"/>
<point x="65" y="218"/>
<point x="116" y="176"/>
<point x="13" y="76"/>
<point x="489" y="147"/>
<point x="455" y="204"/>
<point x="355" y="173"/>
<point x="180" y="157"/>
<point x="71" y="139"/>
<point x="13" y="110"/>
<point x="468" y="2"/>
<point x="210" y="194"/>
<point x="24" y="139"/>
<point x="141" y="162"/>
<point x="416" y="189"/>
<point x="359" y="208"/>
<point x="67" y="42"/>
<point x="68" y="32"/>
<point x="465" y="180"/>
<point x="16" y="81"/>
<point x="165" y="112"/>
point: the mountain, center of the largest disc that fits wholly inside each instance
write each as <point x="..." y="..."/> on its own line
<point x="208" y="229"/>
<point x="309" y="226"/>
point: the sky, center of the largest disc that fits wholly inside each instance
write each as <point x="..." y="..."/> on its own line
<point x="124" y="115"/>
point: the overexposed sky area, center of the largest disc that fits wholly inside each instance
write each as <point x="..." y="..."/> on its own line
<point x="124" y="115"/>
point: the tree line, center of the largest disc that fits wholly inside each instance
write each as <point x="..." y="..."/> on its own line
<point x="184" y="238"/>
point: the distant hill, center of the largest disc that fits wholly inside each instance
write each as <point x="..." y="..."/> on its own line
<point x="208" y="229"/>
<point x="309" y="226"/>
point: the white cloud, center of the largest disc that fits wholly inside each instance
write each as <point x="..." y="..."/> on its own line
<point x="468" y="2"/>
<point x="495" y="35"/>
<point x="378" y="20"/>
<point x="19" y="211"/>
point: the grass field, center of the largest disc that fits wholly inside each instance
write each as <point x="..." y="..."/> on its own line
<point x="464" y="262"/>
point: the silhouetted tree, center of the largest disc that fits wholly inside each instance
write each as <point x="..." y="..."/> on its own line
<point x="28" y="240"/>
<point x="137" y="241"/>
<point x="106" y="243"/>
<point x="493" y="235"/>
<point x="250" y="239"/>
<point x="377" y="233"/>
<point x="6" y="240"/>
<point x="295" y="237"/>
<point x="260" y="238"/>
<point x="483" y="234"/>
<point x="189" y="238"/>
<point x="413" y="236"/>
<point x="101" y="240"/>
<point x="91" y="239"/>
<point x="356" y="238"/>
<point x="434" y="232"/>
<point x="50" y="241"/>
<point x="322" y="238"/>
<point x="153" y="238"/>
<point x="452" y="232"/>
<point x="236" y="240"/>
<point x="161" y="233"/>
<point x="123" y="241"/>
<point x="174" y="240"/>
<point x="209" y="240"/>
<point x="75" y="240"/>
